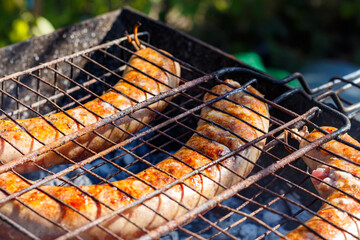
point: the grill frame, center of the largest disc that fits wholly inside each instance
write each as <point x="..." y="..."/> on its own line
<point x="228" y="61"/>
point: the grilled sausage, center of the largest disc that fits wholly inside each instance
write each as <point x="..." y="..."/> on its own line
<point x="339" y="186"/>
<point x="211" y="142"/>
<point x="136" y="87"/>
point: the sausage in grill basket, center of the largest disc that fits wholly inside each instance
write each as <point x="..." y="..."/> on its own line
<point x="339" y="186"/>
<point x="210" y="142"/>
<point x="138" y="85"/>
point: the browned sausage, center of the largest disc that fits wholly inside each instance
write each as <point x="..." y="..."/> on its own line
<point x="220" y="141"/>
<point x="334" y="173"/>
<point x="136" y="87"/>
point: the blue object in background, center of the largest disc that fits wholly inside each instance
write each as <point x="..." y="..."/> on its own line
<point x="315" y="73"/>
<point x="320" y="72"/>
<point x="30" y="4"/>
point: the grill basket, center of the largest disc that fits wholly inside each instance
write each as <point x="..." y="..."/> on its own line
<point x="275" y="198"/>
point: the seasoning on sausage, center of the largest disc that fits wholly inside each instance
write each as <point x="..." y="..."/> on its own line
<point x="235" y="125"/>
<point x="337" y="181"/>
<point x="151" y="73"/>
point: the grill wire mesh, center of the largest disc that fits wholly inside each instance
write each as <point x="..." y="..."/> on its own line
<point x="343" y="92"/>
<point x="276" y="197"/>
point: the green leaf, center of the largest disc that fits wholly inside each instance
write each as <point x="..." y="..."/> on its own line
<point x="277" y="73"/>
<point x="42" y="26"/>
<point x="20" y="31"/>
<point x="251" y="58"/>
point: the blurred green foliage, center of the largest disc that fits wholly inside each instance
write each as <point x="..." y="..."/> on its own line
<point x="284" y="34"/>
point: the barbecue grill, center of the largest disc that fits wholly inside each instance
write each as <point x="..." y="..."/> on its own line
<point x="275" y="198"/>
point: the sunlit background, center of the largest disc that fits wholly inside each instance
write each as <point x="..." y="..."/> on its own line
<point x="317" y="37"/>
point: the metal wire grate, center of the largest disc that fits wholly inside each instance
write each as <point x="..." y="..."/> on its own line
<point x="276" y="189"/>
<point x="343" y="93"/>
<point x="276" y="198"/>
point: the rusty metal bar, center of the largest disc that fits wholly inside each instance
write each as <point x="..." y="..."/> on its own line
<point x="171" y="225"/>
<point x="62" y="59"/>
<point x="38" y="81"/>
<point x="180" y="180"/>
<point x="261" y="206"/>
<point x="57" y="143"/>
<point x="18" y="227"/>
<point x="276" y="136"/>
<point x="59" y="95"/>
<point x="95" y="156"/>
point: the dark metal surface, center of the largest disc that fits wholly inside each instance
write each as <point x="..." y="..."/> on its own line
<point x="62" y="42"/>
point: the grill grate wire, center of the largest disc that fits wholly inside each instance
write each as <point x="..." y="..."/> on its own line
<point x="71" y="81"/>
